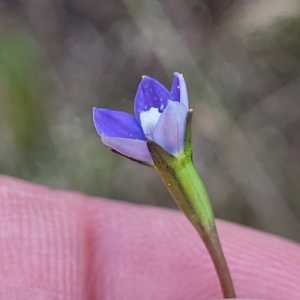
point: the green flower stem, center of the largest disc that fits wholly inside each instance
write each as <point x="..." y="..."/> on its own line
<point x="184" y="183"/>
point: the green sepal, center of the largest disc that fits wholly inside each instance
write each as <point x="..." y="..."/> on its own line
<point x="188" y="149"/>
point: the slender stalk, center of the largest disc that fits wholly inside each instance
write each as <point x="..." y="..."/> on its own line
<point x="184" y="183"/>
<point x="214" y="248"/>
<point x="187" y="188"/>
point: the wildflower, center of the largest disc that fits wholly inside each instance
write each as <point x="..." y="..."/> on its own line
<point x="160" y="116"/>
<point x="160" y="136"/>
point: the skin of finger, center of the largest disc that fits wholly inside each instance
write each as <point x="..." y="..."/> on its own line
<point x="64" y="245"/>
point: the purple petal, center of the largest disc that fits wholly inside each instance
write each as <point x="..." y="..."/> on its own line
<point x="112" y="123"/>
<point x="150" y="93"/>
<point x="179" y="91"/>
<point x="170" y="129"/>
<point x="135" y="149"/>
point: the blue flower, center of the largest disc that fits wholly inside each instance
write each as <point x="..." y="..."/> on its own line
<point x="160" y="116"/>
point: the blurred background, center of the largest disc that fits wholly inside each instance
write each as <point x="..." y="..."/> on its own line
<point x="241" y="62"/>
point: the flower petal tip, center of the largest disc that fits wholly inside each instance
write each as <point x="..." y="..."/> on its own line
<point x="150" y="94"/>
<point x="111" y="123"/>
<point x="179" y="90"/>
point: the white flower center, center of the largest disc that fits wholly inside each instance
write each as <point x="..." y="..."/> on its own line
<point x="149" y="120"/>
